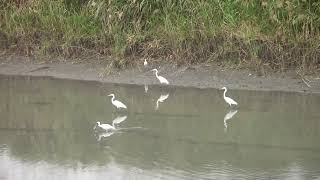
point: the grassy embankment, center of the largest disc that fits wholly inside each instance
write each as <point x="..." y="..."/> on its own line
<point x="273" y="34"/>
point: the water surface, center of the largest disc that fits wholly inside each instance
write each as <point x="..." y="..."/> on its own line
<point x="46" y="132"/>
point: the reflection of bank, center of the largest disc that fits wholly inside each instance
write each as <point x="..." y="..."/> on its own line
<point x="227" y="117"/>
<point x="161" y="99"/>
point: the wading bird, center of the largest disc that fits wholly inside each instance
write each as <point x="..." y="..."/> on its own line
<point x="160" y="78"/>
<point x="227" y="99"/>
<point x="106" y="127"/>
<point x="112" y="127"/>
<point x="117" y="103"/>
<point x="145" y="63"/>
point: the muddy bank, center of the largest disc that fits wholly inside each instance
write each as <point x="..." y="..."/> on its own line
<point x="200" y="76"/>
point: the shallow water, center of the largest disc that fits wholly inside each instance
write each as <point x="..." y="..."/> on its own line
<point x="46" y="132"/>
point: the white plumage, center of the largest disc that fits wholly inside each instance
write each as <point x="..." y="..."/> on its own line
<point x="117" y="103"/>
<point x="145" y="63"/>
<point x="227" y="99"/>
<point x="109" y="127"/>
<point x="106" y="127"/>
<point x="160" y="78"/>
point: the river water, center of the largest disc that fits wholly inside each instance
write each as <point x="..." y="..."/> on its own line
<point x="46" y="132"/>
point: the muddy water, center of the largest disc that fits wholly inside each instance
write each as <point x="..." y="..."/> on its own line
<point x="46" y="132"/>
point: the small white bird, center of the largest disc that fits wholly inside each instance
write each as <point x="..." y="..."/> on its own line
<point x="227" y="99"/>
<point x="109" y="127"/>
<point x="145" y="63"/>
<point x="117" y="103"/>
<point x="160" y="78"/>
<point x="161" y="99"/>
<point x="106" y="127"/>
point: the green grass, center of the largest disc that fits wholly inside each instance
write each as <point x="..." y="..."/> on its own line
<point x="279" y="34"/>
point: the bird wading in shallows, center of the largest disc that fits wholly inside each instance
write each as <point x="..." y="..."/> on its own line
<point x="160" y="78"/>
<point x="106" y="127"/>
<point x="145" y="63"/>
<point x="227" y="99"/>
<point x="117" y="103"/>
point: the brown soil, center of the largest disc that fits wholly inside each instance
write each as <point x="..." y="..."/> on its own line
<point x="199" y="76"/>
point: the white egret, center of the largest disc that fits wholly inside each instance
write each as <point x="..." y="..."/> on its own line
<point x="227" y="117"/>
<point x="112" y="127"/>
<point x="117" y="103"/>
<point x="227" y="99"/>
<point x="145" y="63"/>
<point x="106" y="127"/>
<point x="160" y="78"/>
<point x="161" y="99"/>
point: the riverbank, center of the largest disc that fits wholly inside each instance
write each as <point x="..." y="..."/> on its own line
<point x="198" y="76"/>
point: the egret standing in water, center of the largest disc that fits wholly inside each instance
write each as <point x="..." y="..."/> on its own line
<point x="117" y="103"/>
<point x="227" y="99"/>
<point x="112" y="127"/>
<point x="106" y="127"/>
<point x="160" y="78"/>
<point x="145" y="63"/>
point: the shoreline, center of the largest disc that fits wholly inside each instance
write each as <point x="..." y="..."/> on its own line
<point x="198" y="76"/>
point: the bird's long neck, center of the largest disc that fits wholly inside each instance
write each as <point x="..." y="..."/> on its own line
<point x="224" y="93"/>
<point x="112" y="99"/>
<point x="157" y="74"/>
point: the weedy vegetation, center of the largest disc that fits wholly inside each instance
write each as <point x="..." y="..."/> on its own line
<point x="273" y="34"/>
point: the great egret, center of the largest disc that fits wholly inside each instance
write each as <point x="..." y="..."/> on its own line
<point x="161" y="99"/>
<point x="160" y="78"/>
<point x="145" y="63"/>
<point x="227" y="117"/>
<point x="227" y="99"/>
<point x="117" y="103"/>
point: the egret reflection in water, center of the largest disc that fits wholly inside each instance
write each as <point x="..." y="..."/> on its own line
<point x="162" y="98"/>
<point x="105" y="134"/>
<point x="118" y="120"/>
<point x="227" y="117"/>
<point x="146" y="88"/>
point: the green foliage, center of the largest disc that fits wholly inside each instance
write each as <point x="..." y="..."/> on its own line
<point x="276" y="32"/>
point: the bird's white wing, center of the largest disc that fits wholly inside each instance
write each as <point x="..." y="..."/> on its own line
<point x="119" y="104"/>
<point x="106" y="126"/>
<point x="163" y="80"/>
<point x="229" y="100"/>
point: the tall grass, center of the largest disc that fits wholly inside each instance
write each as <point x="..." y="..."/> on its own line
<point x="275" y="33"/>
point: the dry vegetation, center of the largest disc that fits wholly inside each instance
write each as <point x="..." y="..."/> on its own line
<point x="277" y="34"/>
